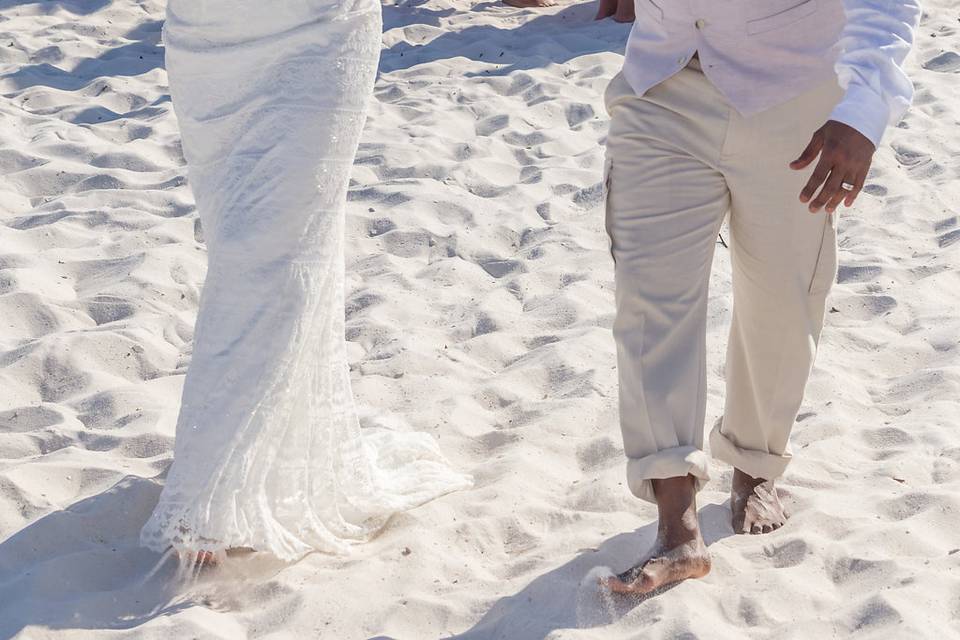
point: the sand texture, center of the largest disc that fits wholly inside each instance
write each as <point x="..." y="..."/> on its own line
<point x="479" y="308"/>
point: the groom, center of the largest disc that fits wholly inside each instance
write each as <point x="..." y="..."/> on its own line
<point x="733" y="109"/>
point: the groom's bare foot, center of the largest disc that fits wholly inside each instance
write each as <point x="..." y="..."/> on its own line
<point x="755" y="505"/>
<point x="680" y="552"/>
<point x="666" y="566"/>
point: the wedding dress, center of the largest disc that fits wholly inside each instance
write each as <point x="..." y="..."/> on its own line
<point x="269" y="454"/>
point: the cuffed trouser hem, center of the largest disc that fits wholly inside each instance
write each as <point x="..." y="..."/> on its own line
<point x="758" y="464"/>
<point x="666" y="463"/>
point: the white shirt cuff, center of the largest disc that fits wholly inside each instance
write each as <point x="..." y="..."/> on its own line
<point x="865" y="111"/>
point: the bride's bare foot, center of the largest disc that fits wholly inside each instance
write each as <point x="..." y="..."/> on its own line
<point x="755" y="505"/>
<point x="680" y="552"/>
<point x="200" y="559"/>
<point x="211" y="559"/>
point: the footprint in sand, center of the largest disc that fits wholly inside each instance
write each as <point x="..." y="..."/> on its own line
<point x="788" y="554"/>
<point x="875" y="613"/>
<point x="950" y="233"/>
<point x="34" y="418"/>
<point x="858" y="273"/>
<point x="499" y="268"/>
<point x="598" y="453"/>
<point x="946" y="62"/>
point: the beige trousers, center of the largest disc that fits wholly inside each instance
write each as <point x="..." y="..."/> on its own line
<point x="679" y="159"/>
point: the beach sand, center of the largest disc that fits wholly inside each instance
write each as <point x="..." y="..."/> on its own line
<point x="479" y="307"/>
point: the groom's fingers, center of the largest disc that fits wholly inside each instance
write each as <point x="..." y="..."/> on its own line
<point x="830" y="190"/>
<point x="811" y="152"/>
<point x="817" y="178"/>
<point x="857" y="187"/>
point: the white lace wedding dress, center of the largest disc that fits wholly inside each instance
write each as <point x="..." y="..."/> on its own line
<point x="269" y="454"/>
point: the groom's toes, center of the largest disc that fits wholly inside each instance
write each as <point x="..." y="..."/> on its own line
<point x="629" y="576"/>
<point x="758" y="528"/>
<point x="616" y="584"/>
<point x="738" y="522"/>
<point x="633" y="581"/>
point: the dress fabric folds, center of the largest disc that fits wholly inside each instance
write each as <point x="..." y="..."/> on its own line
<point x="269" y="454"/>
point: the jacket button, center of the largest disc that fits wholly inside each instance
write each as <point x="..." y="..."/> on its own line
<point x="701" y="23"/>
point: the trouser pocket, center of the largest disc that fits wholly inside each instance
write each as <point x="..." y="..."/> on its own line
<point x="607" y="213"/>
<point x="825" y="270"/>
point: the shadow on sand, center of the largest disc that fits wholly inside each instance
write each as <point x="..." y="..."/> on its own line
<point x="566" y="597"/>
<point x="82" y="567"/>
<point x="551" y="38"/>
<point x="141" y="54"/>
<point x="88" y="556"/>
<point x="78" y="7"/>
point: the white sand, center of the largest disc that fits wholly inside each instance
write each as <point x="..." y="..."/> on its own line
<point x="479" y="309"/>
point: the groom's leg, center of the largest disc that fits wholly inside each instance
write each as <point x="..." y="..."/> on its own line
<point x="665" y="202"/>
<point x="784" y="262"/>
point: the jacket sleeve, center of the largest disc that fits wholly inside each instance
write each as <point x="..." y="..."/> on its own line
<point x="874" y="43"/>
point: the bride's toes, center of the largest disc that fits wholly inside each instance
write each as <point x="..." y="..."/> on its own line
<point x="202" y="559"/>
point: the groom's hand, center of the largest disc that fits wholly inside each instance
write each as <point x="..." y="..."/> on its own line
<point x="621" y="10"/>
<point x="845" y="156"/>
